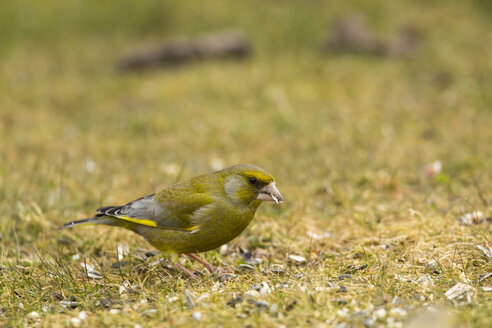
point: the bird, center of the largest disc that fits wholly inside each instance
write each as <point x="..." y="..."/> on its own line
<point x="194" y="216"/>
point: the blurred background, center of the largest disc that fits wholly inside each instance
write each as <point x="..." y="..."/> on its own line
<point x="346" y="103"/>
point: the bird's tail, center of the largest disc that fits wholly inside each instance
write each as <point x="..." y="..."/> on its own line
<point x="89" y="221"/>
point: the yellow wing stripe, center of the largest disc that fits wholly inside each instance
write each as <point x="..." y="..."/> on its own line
<point x="151" y="223"/>
<point x="192" y="228"/>
<point x="145" y="222"/>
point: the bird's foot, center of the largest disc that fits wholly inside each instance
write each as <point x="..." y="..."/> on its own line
<point x="186" y="271"/>
<point x="207" y="265"/>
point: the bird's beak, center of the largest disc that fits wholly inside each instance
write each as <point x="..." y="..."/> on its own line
<point x="270" y="193"/>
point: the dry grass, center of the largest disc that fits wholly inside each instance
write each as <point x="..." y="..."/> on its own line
<point x="347" y="138"/>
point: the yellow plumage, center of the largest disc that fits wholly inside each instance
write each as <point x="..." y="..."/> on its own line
<point x="197" y="215"/>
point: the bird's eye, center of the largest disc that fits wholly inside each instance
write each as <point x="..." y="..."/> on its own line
<point x="253" y="181"/>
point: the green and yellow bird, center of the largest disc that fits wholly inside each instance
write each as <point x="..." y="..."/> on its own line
<point x="197" y="215"/>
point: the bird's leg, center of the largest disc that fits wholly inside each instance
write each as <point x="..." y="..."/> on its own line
<point x="207" y="265"/>
<point x="186" y="271"/>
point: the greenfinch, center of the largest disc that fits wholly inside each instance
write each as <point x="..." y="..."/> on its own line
<point x="197" y="215"/>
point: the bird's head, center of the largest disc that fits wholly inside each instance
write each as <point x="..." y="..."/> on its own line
<point x="246" y="183"/>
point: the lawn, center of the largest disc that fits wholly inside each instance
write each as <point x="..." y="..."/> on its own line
<point x="384" y="162"/>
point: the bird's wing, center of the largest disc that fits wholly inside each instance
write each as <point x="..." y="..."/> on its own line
<point x="175" y="214"/>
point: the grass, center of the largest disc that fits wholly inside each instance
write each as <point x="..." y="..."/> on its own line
<point x="347" y="137"/>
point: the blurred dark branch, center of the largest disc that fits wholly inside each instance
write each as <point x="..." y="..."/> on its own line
<point x="181" y="50"/>
<point x="351" y="34"/>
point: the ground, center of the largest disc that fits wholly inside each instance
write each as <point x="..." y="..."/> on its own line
<point x="378" y="158"/>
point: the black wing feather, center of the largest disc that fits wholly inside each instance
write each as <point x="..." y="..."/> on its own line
<point x="118" y="210"/>
<point x="110" y="210"/>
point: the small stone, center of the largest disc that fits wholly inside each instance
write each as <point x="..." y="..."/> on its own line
<point x="64" y="242"/>
<point x="82" y="315"/>
<point x="197" y="316"/>
<point x="398" y="312"/>
<point x="251" y="293"/>
<point x="471" y="218"/>
<point x="342" y="312"/>
<point x="342" y="289"/>
<point x="234" y="301"/>
<point x="33" y="315"/>
<point x="189" y="300"/>
<point x="246" y="254"/>
<point x="75" y="321"/>
<point x="90" y="166"/>
<point x="226" y="277"/>
<point x="484" y="276"/>
<point x="273" y="308"/>
<point x="245" y="267"/>
<point x="298" y="259"/>
<point x="278" y="270"/>
<point x="260" y="303"/>
<point x="140" y="253"/>
<point x="123" y="288"/>
<point x="369" y="322"/>
<point x="217" y="286"/>
<point x="69" y="304"/>
<point x="114" y="311"/>
<point x="300" y="275"/>
<point x="57" y="296"/>
<point x="486" y="250"/>
<point x="425" y="280"/>
<point x="223" y="249"/>
<point x="432" y="265"/>
<point x="291" y="305"/>
<point x="358" y="314"/>
<point x="432" y="169"/>
<point x="109" y="302"/>
<point x="283" y="285"/>
<point x="380" y="313"/>
<point x="173" y="299"/>
<point x="265" y="289"/>
<point x="345" y="276"/>
<point x="352" y="268"/>
<point x="94" y="274"/>
<point x="392" y="323"/>
<point x="340" y="301"/>
<point x="117" y="265"/>
<point x="458" y="290"/>
<point x="318" y="236"/>
<point x="255" y="261"/>
<point x="203" y="297"/>
<point x="87" y="266"/>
